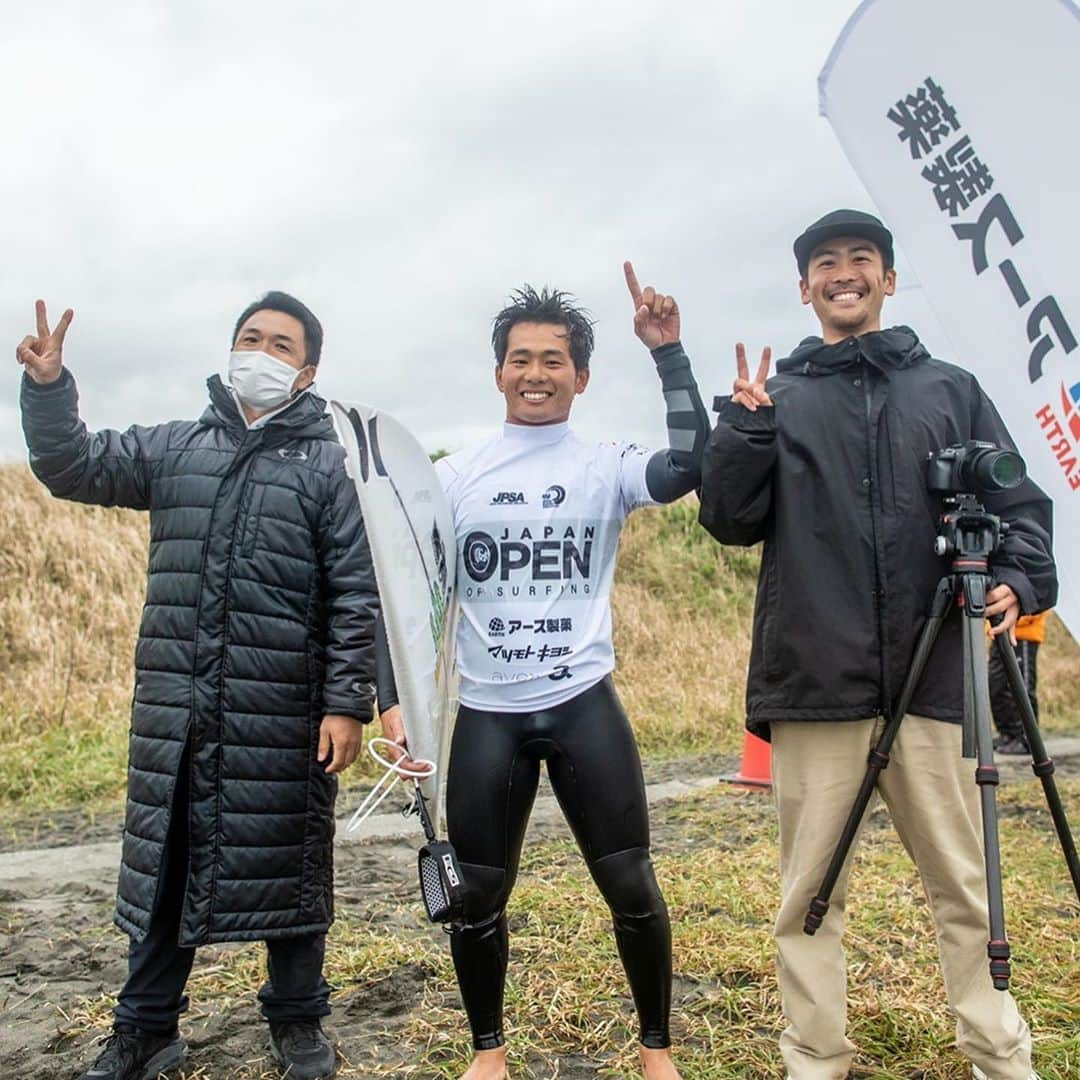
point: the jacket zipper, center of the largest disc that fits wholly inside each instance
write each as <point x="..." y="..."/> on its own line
<point x="249" y="526"/>
<point x="244" y="459"/>
<point x="871" y="466"/>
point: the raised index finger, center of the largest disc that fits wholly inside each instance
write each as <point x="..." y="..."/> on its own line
<point x="42" y="319"/>
<point x="632" y="282"/>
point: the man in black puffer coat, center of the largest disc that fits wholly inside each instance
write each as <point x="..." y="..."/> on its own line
<point x="254" y="673"/>
<point x="827" y="464"/>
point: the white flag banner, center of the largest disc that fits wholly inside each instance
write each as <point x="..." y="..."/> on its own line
<point x="959" y="119"/>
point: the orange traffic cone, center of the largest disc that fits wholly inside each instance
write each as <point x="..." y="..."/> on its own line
<point x="756" y="768"/>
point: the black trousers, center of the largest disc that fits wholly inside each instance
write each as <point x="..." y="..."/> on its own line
<point x="595" y="772"/>
<point x="158" y="966"/>
<point x="1002" y="703"/>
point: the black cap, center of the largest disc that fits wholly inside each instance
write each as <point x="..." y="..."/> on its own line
<point x="843" y="223"/>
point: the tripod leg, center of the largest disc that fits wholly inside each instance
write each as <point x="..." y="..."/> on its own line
<point x="986" y="776"/>
<point x="1041" y="763"/>
<point x="879" y="756"/>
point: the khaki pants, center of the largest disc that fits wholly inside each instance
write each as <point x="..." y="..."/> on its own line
<point x="931" y="794"/>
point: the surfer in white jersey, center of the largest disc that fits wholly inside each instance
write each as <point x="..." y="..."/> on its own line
<point x="537" y="516"/>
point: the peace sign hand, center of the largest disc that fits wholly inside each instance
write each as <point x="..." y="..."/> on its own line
<point x="42" y="356"/>
<point x="751" y="394"/>
<point x="656" y="317"/>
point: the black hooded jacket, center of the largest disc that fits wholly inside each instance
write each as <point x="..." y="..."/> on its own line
<point x="832" y="478"/>
<point x="259" y="617"/>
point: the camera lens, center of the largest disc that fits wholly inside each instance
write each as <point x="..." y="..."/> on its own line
<point x="996" y="470"/>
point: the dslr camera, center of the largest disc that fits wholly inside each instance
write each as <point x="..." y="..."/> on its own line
<point x="975" y="467"/>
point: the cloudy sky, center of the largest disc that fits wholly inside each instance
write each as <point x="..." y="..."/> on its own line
<point x="401" y="168"/>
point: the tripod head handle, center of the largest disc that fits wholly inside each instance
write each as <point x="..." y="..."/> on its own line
<point x="968" y="532"/>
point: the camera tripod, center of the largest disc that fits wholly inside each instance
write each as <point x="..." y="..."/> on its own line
<point x="969" y="535"/>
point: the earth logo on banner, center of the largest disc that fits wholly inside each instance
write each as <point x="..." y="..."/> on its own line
<point x="1070" y="399"/>
<point x="1058" y="432"/>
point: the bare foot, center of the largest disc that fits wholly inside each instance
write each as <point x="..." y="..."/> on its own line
<point x="491" y="1065"/>
<point x="657" y="1064"/>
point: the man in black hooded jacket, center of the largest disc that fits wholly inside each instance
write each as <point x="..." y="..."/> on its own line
<point x="254" y="672"/>
<point x="826" y="463"/>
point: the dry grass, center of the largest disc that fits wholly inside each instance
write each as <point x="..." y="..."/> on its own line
<point x="682" y="607"/>
<point x="72" y="580"/>
<point x="1059" y="677"/>
<point x="716" y="861"/>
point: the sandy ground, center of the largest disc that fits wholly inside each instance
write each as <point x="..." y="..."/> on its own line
<point x="58" y="950"/>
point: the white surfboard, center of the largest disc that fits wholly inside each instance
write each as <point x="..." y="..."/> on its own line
<point x="411" y="533"/>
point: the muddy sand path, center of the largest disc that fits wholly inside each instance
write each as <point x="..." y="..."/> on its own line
<point x="60" y="956"/>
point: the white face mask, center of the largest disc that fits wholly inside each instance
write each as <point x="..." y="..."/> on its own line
<point x="261" y="382"/>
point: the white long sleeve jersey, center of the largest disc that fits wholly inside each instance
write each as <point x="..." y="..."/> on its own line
<point x="537" y="516"/>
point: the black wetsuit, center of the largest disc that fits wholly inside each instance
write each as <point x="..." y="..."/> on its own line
<point x="595" y="772"/>
<point x="538" y="688"/>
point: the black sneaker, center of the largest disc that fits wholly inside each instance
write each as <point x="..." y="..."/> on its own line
<point x="136" y="1055"/>
<point x="1012" y="744"/>
<point x="302" y="1049"/>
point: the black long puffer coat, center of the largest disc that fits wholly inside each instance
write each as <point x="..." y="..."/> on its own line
<point x="259" y="619"/>
<point x="833" y="478"/>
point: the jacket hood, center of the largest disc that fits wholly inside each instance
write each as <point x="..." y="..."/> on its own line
<point x="892" y="349"/>
<point x="304" y="418"/>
